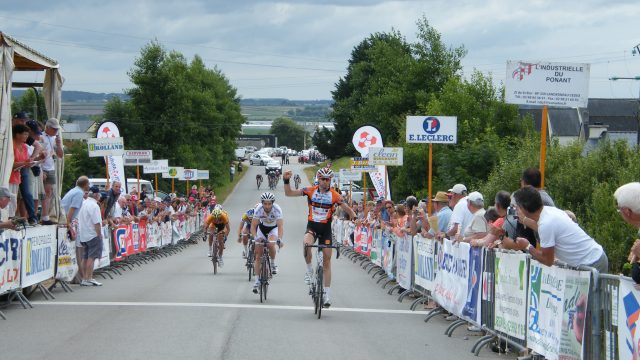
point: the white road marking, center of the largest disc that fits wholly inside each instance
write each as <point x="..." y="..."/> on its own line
<point x="218" y="305"/>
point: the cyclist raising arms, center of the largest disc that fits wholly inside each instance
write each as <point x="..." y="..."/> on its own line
<point x="244" y="230"/>
<point x="267" y="224"/>
<point x="321" y="199"/>
<point x="218" y="223"/>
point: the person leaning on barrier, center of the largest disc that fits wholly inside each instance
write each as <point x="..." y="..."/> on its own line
<point x="461" y="216"/>
<point x="496" y="231"/>
<point x="628" y="201"/>
<point x="5" y="199"/>
<point x="560" y="237"/>
<point x="478" y="227"/>
<point x="442" y="211"/>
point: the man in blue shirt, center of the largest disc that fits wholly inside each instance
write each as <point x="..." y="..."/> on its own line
<point x="71" y="203"/>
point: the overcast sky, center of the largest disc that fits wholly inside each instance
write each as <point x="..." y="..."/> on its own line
<point x="299" y="49"/>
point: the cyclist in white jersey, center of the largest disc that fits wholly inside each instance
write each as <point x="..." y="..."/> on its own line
<point x="267" y="224"/>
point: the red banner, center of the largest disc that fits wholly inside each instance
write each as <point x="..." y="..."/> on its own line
<point x="362" y="238"/>
<point x="121" y="240"/>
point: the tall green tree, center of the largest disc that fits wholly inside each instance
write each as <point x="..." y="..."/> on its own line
<point x="288" y="132"/>
<point x="32" y="103"/>
<point x="182" y="110"/>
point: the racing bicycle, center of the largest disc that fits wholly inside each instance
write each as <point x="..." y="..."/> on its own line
<point x="250" y="257"/>
<point x="265" y="268"/>
<point x="316" y="286"/>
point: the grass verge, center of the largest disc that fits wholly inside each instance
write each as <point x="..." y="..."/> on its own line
<point x="223" y="191"/>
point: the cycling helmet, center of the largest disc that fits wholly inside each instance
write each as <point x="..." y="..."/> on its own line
<point x="268" y="197"/>
<point x="325" y="173"/>
<point x="250" y="213"/>
<point x="218" y="207"/>
<point x="216" y="213"/>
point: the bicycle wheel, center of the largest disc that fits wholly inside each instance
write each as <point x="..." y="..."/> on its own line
<point x="214" y="256"/>
<point x="320" y="292"/>
<point x="264" y="274"/>
<point x="314" y="295"/>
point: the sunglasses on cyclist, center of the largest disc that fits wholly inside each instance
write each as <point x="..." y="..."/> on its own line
<point x="325" y="179"/>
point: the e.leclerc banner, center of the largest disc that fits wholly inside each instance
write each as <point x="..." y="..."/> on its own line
<point x="432" y="129"/>
<point x="547" y="83"/>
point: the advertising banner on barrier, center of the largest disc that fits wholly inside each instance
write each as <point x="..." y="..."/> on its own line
<point x="576" y="297"/>
<point x="10" y="258"/>
<point x="511" y="294"/>
<point x="404" y="269"/>
<point x="388" y="262"/>
<point x="152" y="235"/>
<point x="166" y="233"/>
<point x="628" y="320"/>
<point x="121" y="239"/>
<point x="452" y="276"/>
<point x="424" y="262"/>
<point x="362" y="240"/>
<point x="67" y="262"/>
<point x="38" y="255"/>
<point x="546" y="293"/>
<point x="144" y="234"/>
<point x="133" y="241"/>
<point x="376" y="247"/>
<point x="106" y="250"/>
<point x="471" y="310"/>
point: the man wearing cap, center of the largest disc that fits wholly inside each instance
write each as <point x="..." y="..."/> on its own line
<point x="443" y="212"/>
<point x="478" y="227"/>
<point x="52" y="143"/>
<point x="461" y="216"/>
<point x="5" y="199"/>
<point x="90" y="235"/>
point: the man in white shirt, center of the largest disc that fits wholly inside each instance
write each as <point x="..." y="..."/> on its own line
<point x="52" y="143"/>
<point x="461" y="216"/>
<point x="560" y="237"/>
<point x="90" y="234"/>
<point x="478" y="226"/>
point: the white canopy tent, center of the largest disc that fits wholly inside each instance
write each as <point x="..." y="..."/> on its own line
<point x="16" y="56"/>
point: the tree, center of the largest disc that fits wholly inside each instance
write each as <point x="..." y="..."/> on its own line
<point x="181" y="110"/>
<point x="288" y="132"/>
<point x="27" y="103"/>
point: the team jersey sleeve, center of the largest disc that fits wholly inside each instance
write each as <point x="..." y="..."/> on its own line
<point x="337" y="198"/>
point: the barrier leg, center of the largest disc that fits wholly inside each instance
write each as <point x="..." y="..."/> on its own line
<point x="383" y="277"/>
<point x="417" y="301"/>
<point x="387" y="283"/>
<point x="63" y="284"/>
<point x="404" y="294"/>
<point x="3" y="316"/>
<point x="21" y="298"/>
<point x="433" y="313"/>
<point x="372" y="268"/>
<point x="45" y="292"/>
<point x="482" y="342"/>
<point x="397" y="287"/>
<point x="456" y="324"/>
<point x="379" y="272"/>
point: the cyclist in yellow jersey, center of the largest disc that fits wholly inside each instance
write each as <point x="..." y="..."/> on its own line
<point x="218" y="224"/>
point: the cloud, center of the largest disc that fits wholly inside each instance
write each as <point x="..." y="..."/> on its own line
<point x="298" y="49"/>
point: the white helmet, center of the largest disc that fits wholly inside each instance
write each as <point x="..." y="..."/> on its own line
<point x="267" y="196"/>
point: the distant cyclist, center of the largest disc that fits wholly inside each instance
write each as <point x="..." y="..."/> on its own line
<point x="297" y="180"/>
<point x="218" y="223"/>
<point x="322" y="200"/>
<point x="244" y="230"/>
<point x="267" y="224"/>
<point x="259" y="180"/>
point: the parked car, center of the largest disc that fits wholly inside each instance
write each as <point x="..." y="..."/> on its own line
<point x="259" y="159"/>
<point x="273" y="165"/>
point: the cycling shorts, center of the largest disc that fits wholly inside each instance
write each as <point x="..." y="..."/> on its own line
<point x="320" y="231"/>
<point x="264" y="232"/>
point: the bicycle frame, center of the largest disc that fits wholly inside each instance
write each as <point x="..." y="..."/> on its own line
<point x="316" y="286"/>
<point x="265" y="267"/>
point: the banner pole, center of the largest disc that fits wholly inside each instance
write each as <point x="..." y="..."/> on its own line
<point x="364" y="173"/>
<point x="543" y="143"/>
<point x="106" y="161"/>
<point x="386" y="179"/>
<point x="187" y="192"/>
<point x="173" y="190"/>
<point x="156" y="194"/>
<point x="351" y="194"/>
<point x="138" y="175"/>
<point x="429" y="209"/>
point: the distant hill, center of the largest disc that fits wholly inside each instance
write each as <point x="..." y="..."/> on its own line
<point x="79" y="96"/>
<point x="284" y="102"/>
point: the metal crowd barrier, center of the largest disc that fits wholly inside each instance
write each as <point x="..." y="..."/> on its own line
<point x="34" y="255"/>
<point x="608" y="322"/>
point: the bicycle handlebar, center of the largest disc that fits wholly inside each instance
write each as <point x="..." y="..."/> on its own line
<point x="336" y="246"/>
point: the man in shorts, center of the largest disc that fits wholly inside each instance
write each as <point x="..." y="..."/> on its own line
<point x="90" y="235"/>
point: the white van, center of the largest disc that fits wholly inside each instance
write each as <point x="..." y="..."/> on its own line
<point x="131" y="184"/>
